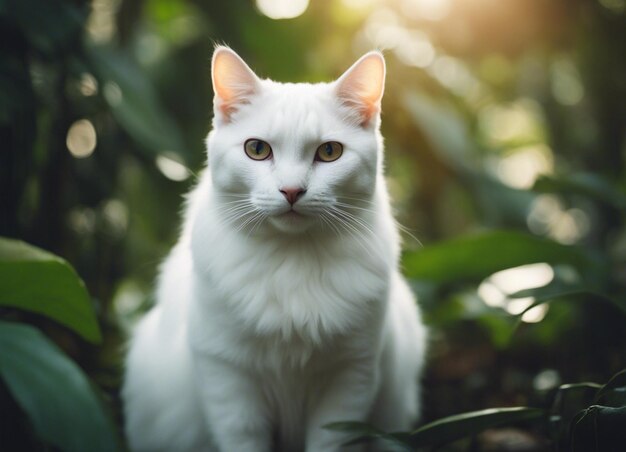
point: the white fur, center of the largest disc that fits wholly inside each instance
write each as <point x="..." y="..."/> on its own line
<point x="270" y="325"/>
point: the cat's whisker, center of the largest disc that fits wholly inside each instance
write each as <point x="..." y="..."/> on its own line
<point x="363" y="200"/>
<point x="323" y="216"/>
<point x="408" y="232"/>
<point x="235" y="213"/>
<point x="225" y="205"/>
<point x="357" y="223"/>
<point x="352" y="230"/>
<point x="350" y="206"/>
<point x="261" y="217"/>
<point x="354" y="219"/>
<point x="231" y="195"/>
<point x="227" y="210"/>
<point x="254" y="214"/>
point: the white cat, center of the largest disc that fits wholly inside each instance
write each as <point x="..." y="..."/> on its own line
<point x="281" y="309"/>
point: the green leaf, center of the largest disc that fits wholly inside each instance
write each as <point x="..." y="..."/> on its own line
<point x="451" y="428"/>
<point x="37" y="281"/>
<point x="134" y="101"/>
<point x="616" y="383"/>
<point x="599" y="428"/>
<point x="474" y="257"/>
<point x="557" y="290"/>
<point x="578" y="395"/>
<point x="53" y="392"/>
<point x="586" y="184"/>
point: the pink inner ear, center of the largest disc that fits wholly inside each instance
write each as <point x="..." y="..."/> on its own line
<point x="233" y="81"/>
<point x="361" y="87"/>
<point x="364" y="109"/>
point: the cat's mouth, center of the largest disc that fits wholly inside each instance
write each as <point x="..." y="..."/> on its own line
<point x="291" y="214"/>
<point x="291" y="221"/>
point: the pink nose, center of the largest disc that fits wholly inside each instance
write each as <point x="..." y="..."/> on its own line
<point x="292" y="194"/>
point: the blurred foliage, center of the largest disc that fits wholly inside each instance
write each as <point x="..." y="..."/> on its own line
<point x="505" y="127"/>
<point x="594" y="427"/>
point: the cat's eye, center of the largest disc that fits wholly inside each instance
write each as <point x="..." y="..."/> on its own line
<point x="257" y="149"/>
<point x="329" y="152"/>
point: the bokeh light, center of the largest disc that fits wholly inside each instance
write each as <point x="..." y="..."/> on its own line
<point x="81" y="138"/>
<point x="172" y="169"/>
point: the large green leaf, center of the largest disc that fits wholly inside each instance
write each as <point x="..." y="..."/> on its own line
<point x="37" y="281"/>
<point x="451" y="428"/>
<point x="53" y="392"/>
<point x="474" y="257"/>
<point x="552" y="292"/>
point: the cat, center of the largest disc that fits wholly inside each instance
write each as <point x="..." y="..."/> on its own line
<point x="281" y="308"/>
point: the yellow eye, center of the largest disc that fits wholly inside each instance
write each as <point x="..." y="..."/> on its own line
<point x="257" y="149"/>
<point x="329" y="152"/>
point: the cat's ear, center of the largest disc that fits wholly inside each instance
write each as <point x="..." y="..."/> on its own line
<point x="361" y="87"/>
<point x="233" y="82"/>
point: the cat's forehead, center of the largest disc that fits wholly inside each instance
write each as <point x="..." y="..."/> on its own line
<point x="302" y="109"/>
<point x="294" y="96"/>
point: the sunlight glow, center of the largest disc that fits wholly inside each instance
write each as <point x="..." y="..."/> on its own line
<point x="416" y="50"/>
<point x="359" y="4"/>
<point x="81" y="138"/>
<point x="453" y="74"/>
<point x="536" y="314"/>
<point x="521" y="168"/>
<point x="426" y="9"/>
<point x="513" y="123"/>
<point x="491" y="295"/>
<point x="516" y="306"/>
<point x="548" y="216"/>
<point x="523" y="277"/>
<point x="282" y="9"/>
<point x="495" y="291"/>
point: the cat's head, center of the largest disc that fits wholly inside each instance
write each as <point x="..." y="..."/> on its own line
<point x="295" y="156"/>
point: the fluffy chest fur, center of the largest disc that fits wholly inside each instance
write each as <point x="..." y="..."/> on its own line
<point x="281" y="298"/>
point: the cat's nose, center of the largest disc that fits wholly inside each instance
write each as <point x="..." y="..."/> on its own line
<point x="292" y="194"/>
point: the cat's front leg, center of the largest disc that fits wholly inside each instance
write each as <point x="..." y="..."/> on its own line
<point x="349" y="397"/>
<point x="236" y="415"/>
